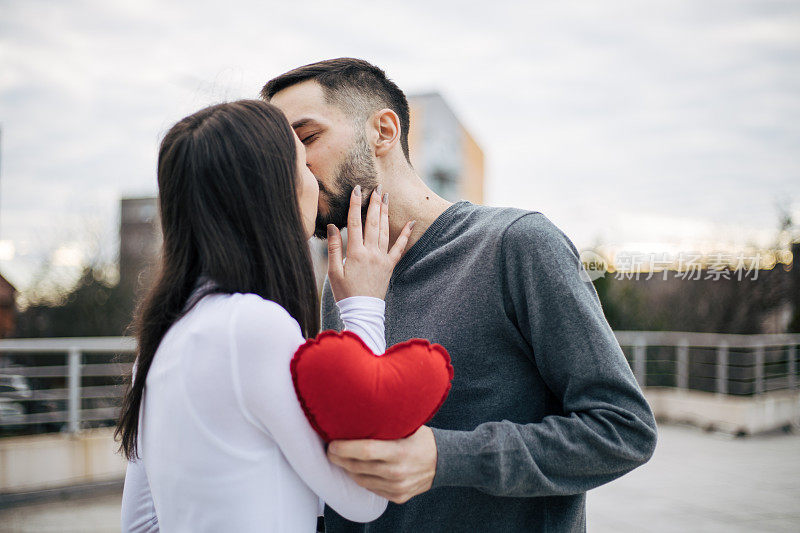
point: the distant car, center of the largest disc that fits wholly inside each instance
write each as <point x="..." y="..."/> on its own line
<point x="12" y="415"/>
<point x="14" y="386"/>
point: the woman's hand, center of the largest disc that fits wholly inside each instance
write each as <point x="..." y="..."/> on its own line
<point x="370" y="262"/>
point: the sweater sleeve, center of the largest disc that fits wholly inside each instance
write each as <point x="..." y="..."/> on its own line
<point x="606" y="429"/>
<point x="263" y="340"/>
<point x="329" y="312"/>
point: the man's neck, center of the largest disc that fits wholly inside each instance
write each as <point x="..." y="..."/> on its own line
<point x="411" y="199"/>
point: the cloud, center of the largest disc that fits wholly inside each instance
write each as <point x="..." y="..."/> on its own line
<point x="672" y="109"/>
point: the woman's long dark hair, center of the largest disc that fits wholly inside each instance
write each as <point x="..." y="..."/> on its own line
<point x="229" y="212"/>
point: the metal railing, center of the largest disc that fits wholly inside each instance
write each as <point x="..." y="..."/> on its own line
<point x="722" y="363"/>
<point x="80" y="380"/>
<point x="71" y="382"/>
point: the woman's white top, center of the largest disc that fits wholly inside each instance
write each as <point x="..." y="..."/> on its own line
<point x="223" y="442"/>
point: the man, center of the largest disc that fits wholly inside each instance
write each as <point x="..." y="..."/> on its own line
<point x="543" y="405"/>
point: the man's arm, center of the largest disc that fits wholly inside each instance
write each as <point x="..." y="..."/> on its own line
<point x="607" y="427"/>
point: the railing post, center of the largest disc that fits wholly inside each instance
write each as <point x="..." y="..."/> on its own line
<point x="683" y="364"/>
<point x="722" y="368"/>
<point x="639" y="362"/>
<point x="792" y="367"/>
<point x="759" y="370"/>
<point x="74" y="386"/>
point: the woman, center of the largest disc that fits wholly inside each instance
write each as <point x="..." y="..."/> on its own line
<point x="215" y="436"/>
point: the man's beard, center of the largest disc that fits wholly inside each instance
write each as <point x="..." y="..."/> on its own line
<point x="357" y="168"/>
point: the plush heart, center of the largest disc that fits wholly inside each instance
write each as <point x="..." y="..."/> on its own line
<point x="348" y="392"/>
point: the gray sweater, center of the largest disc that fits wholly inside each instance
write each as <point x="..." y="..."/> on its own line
<point x="543" y="407"/>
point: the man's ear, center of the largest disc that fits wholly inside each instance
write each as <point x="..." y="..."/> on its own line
<point x="387" y="126"/>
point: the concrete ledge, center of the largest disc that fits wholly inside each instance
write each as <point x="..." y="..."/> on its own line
<point x="71" y="492"/>
<point x="40" y="462"/>
<point x="738" y="415"/>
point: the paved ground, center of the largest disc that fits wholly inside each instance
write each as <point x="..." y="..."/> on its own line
<point x="705" y="482"/>
<point x="94" y="515"/>
<point x="695" y="482"/>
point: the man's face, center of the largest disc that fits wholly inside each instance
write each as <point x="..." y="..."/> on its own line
<point x="337" y="151"/>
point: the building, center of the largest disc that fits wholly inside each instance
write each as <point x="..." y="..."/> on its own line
<point x="139" y="240"/>
<point x="8" y="308"/>
<point x="443" y="152"/>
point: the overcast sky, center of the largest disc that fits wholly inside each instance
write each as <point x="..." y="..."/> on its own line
<point x="643" y="125"/>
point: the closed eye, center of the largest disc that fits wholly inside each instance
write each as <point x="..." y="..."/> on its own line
<point x="311" y="138"/>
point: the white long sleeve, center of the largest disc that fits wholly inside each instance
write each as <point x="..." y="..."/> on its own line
<point x="364" y="316"/>
<point x="259" y="339"/>
<point x="138" y="513"/>
<point x="138" y="510"/>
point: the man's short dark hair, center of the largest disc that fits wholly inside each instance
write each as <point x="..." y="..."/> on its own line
<point x="359" y="88"/>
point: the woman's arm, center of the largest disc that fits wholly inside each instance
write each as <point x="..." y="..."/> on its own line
<point x="263" y="340"/>
<point x="138" y="510"/>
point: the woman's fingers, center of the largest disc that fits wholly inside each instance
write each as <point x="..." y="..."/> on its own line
<point x="399" y="247"/>
<point x="354" y="238"/>
<point x="373" y="222"/>
<point x="383" y="236"/>
<point x="334" y="252"/>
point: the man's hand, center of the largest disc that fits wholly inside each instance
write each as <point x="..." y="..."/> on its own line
<point x="398" y="470"/>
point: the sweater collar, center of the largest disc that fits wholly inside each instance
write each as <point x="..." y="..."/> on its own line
<point x="427" y="238"/>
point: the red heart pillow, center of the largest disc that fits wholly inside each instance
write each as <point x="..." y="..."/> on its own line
<point x="347" y="392"/>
